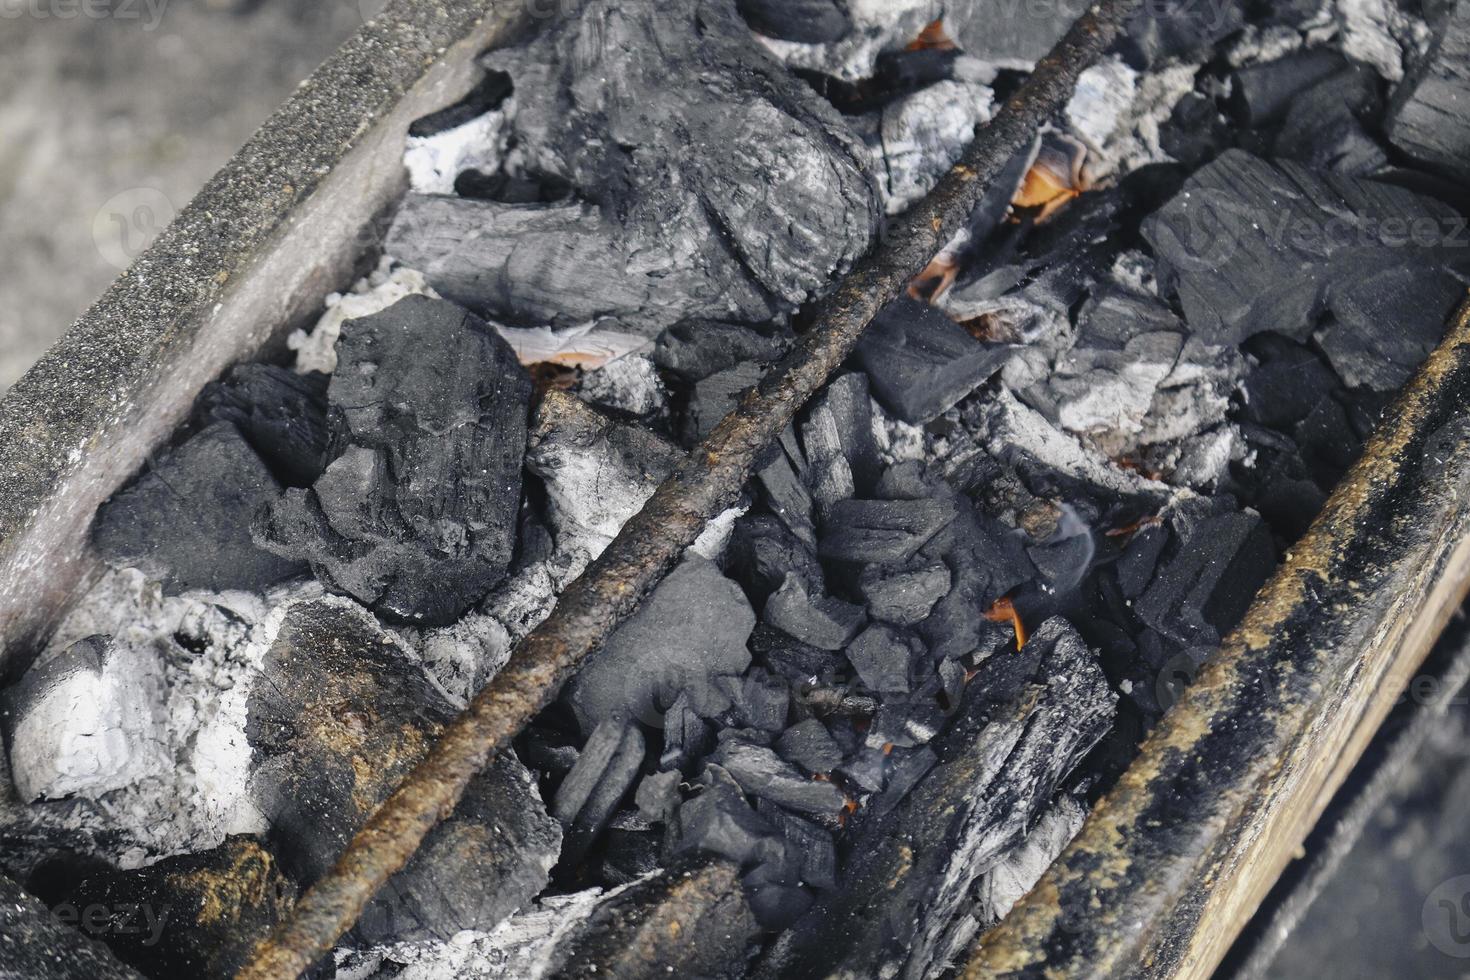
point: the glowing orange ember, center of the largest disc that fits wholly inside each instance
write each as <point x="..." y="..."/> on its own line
<point x="1004" y="611"/>
<point x="941" y="272"/>
<point x="1135" y="527"/>
<point x="1054" y="179"/>
<point x="932" y="38"/>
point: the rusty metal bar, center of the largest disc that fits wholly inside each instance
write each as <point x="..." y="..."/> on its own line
<point x="708" y="481"/>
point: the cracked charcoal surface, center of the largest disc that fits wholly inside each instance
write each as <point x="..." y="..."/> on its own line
<point x="416" y="518"/>
<point x="685" y="164"/>
<point x="282" y="414"/>
<point x="1427" y="119"/>
<point x="186" y="519"/>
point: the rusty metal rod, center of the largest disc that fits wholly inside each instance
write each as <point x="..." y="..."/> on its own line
<point x="708" y="481"/>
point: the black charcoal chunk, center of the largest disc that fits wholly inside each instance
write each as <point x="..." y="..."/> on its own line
<point x="719" y="820"/>
<point x="810" y="849"/>
<point x="196" y="915"/>
<point x="186" y="519"/>
<point x="778" y="906"/>
<point x="1200" y="592"/>
<point x="882" y="531"/>
<point x="657" y="796"/>
<point x="763" y="774"/>
<point x="633" y="849"/>
<point x="1248" y="246"/>
<point x="1004" y="36"/>
<point x="903" y="908"/>
<point x="811" y="746"/>
<point x="920" y="362"/>
<point x="847" y="400"/>
<point x="885" y="659"/>
<point x="824" y="622"/>
<point x="692" y="920"/>
<point x="787" y="657"/>
<point x="38" y="943"/>
<point x="417" y="518"/>
<point x="488" y="94"/>
<point x="1385" y="323"/>
<point x="696" y="349"/>
<point x="763" y="551"/>
<point x="759" y="701"/>
<point x="828" y="473"/>
<point x="806" y="21"/>
<point x="1325" y="126"/>
<point x="282" y="414"/>
<point x="674" y="231"/>
<point x="1287" y="384"/>
<point x="1427" y="118"/>
<point x="986" y="560"/>
<point x="785" y="491"/>
<point x="605" y="771"/>
<point x="687" y="736"/>
<point x="1177" y="29"/>
<point x="903" y="595"/>
<point x="717" y="395"/>
<point x="1261" y="94"/>
<point x="340" y="715"/>
<point x="691" y="629"/>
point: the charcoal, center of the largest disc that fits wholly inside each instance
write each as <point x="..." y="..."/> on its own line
<point x="1385" y="324"/>
<point x="185" y="521"/>
<point x="828" y="472"/>
<point x="658" y="796"/>
<point x="717" y="395"/>
<point x="903" y="596"/>
<point x="690" y="629"/>
<point x="778" y="906"/>
<point x="1324" y="127"/>
<point x="633" y="850"/>
<point x="904" y="481"/>
<point x="810" y="745"/>
<point x="686" y="736"/>
<point x="1009" y="37"/>
<point x="986" y="561"/>
<point x="1249" y="245"/>
<point x="809" y="848"/>
<point x="86" y="721"/>
<point x="548" y="749"/>
<point x="720" y="821"/>
<point x="1136" y="567"/>
<point x="597" y="471"/>
<point x="605" y="771"/>
<point x="906" y="722"/>
<point x="786" y="494"/>
<point x="1426" y="118"/>
<point x="673" y="232"/>
<point x="799" y="663"/>
<point x="847" y="401"/>
<point x="692" y="920"/>
<point x="282" y="414"/>
<point x="763" y="774"/>
<point x="885" y="658"/>
<point x="1003" y="885"/>
<point x="882" y="531"/>
<point x="697" y="349"/>
<point x="824" y="622"/>
<point x="417" y="518"/>
<point x="763" y="551"/>
<point x="920" y="362"/>
<point x="906" y="767"/>
<point x="1261" y="94"/>
<point x="1200" y="593"/>
<point x="489" y="93"/>
<point x="1177" y="29"/>
<point x="761" y="702"/>
<point x="1328" y="444"/>
<point x="38" y="943"/>
<point x="905" y="901"/>
<point x="338" y="718"/>
<point x="867" y="769"/>
<point x="920" y="134"/>
<point x="806" y="21"/>
<point x="1288" y="383"/>
<point x="210" y="909"/>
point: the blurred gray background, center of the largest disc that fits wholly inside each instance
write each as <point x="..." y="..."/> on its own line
<point x="112" y="114"/>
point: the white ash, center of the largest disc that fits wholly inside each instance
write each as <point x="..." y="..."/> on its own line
<point x="199" y="798"/>
<point x="1380" y="33"/>
<point x="526" y="598"/>
<point x="628" y="384"/>
<point x="1136" y="272"/>
<point x="462" y="658"/>
<point x="522" y="947"/>
<point x="877" y="26"/>
<point x="1003" y="885"/>
<point x="434" y="162"/>
<point x="1257" y="44"/>
<point x="380" y="289"/>
<point x="586" y="345"/>
<point x="1118" y="113"/>
<point x="921" y="135"/>
<point x="1200" y="461"/>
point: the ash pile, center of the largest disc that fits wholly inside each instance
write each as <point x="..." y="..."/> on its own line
<point x="880" y="694"/>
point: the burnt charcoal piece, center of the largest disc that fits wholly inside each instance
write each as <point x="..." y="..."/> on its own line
<point x="809" y="848"/>
<point x="903" y="596"/>
<point x="692" y="920"/>
<point x="186" y="519"/>
<point x="806" y="21"/>
<point x="198" y="915"/>
<point x="824" y="622"/>
<point x="417" y="518"/>
<point x="282" y="414"/>
<point x="1427" y="117"/>
<point x="657" y="797"/>
<point x="1200" y="592"/>
<point x="675" y="231"/>
<point x="765" y="775"/>
<point x="920" y="362"/>
<point x="1288" y="383"/>
<point x="717" y="395"/>
<point x="604" y="773"/>
<point x="986" y="561"/>
<point x="696" y="349"/>
<point x="489" y="93"/>
<point x="1385" y="323"/>
<point x="829" y="475"/>
<point x="886" y="659"/>
<point x="1325" y="127"/>
<point x="758" y="701"/>
<point x="686" y="735"/>
<point x="691" y="629"/>
<point x="633" y="849"/>
<point x="847" y="401"/>
<point x="1249" y="246"/>
<point x="882" y="531"/>
<point x="339" y="716"/>
<point x="719" y="820"/>
<point x="763" y="551"/>
<point x="39" y="943"/>
<point x="811" y="746"/>
<point x="1261" y="94"/>
<point x="1007" y="37"/>
<point x="785" y="492"/>
<point x="903" y="909"/>
<point x="1181" y="29"/>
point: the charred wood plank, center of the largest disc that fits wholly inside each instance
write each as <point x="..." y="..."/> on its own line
<point x="650" y="543"/>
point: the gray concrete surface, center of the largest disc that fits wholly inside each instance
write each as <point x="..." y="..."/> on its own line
<point x="111" y="117"/>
